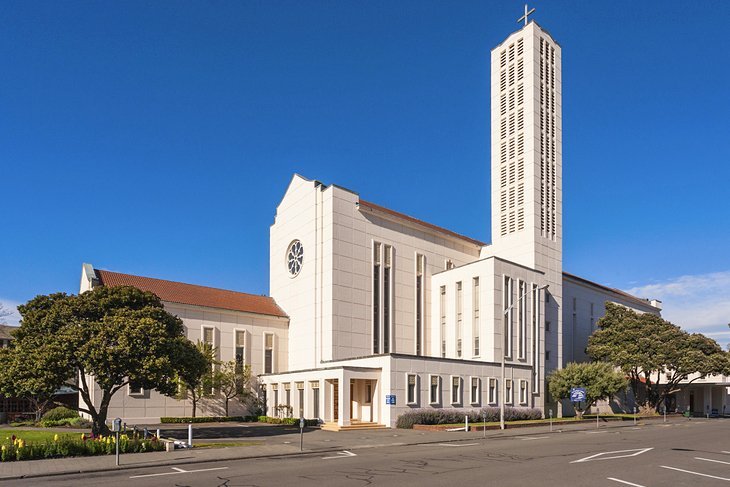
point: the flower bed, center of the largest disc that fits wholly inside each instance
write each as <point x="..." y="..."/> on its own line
<point x="15" y="448"/>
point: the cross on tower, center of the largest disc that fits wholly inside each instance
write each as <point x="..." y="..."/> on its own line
<point x="524" y="17"/>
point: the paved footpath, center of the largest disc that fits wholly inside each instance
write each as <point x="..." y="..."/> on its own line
<point x="271" y="441"/>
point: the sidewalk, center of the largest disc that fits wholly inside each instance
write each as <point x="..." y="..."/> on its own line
<point x="283" y="442"/>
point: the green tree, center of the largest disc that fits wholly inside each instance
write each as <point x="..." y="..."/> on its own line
<point x="110" y="336"/>
<point x="600" y="380"/>
<point x="656" y="355"/>
<point x="199" y="386"/>
<point x="235" y="381"/>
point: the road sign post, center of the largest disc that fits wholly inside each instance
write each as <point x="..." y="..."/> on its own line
<point x="301" y="434"/>
<point x="116" y="427"/>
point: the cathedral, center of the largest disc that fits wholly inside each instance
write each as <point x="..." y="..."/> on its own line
<point x="373" y="312"/>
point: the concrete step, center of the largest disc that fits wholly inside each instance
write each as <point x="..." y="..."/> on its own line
<point x="356" y="425"/>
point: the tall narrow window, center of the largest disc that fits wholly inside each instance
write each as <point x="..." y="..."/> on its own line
<point x="315" y="399"/>
<point x="208" y="334"/>
<point x="411" y="394"/>
<point x="376" y="297"/>
<point x="475" y="324"/>
<point x="268" y="353"/>
<point x="455" y="390"/>
<point x="274" y="407"/>
<point x="492" y="393"/>
<point x="287" y="396"/>
<point x="300" y="397"/>
<point x="435" y="394"/>
<point x="508" y="391"/>
<point x="522" y="319"/>
<point x="442" y="311"/>
<point x="523" y="391"/>
<point x="420" y="269"/>
<point x="459" y="304"/>
<point x="474" y="396"/>
<point x="387" y="279"/>
<point x="507" y="300"/>
<point x="240" y="344"/>
<point x="535" y="338"/>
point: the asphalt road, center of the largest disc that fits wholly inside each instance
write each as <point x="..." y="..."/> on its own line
<point x="692" y="453"/>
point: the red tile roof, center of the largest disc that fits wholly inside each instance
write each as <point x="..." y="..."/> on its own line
<point x="178" y="292"/>
<point x="383" y="209"/>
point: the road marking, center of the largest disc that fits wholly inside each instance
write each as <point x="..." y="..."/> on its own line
<point x="595" y="432"/>
<point x="342" y="454"/>
<point x="624" y="482"/>
<point x="529" y="438"/>
<point x="636" y="452"/>
<point x="695" y="473"/>
<point x="178" y="471"/>
<point x="459" y="445"/>
<point x="711" y="460"/>
<point x="725" y="452"/>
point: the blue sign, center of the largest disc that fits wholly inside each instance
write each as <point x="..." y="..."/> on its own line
<point x="390" y="399"/>
<point x="578" y="394"/>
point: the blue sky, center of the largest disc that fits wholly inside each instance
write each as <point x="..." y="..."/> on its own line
<point x="156" y="138"/>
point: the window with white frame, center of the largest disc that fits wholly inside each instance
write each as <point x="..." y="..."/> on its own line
<point x="434" y="389"/>
<point x="134" y="389"/>
<point x="522" y="319"/>
<point x="508" y="391"/>
<point x="459" y="304"/>
<point x="507" y="309"/>
<point x="492" y="391"/>
<point x="475" y="390"/>
<point x="208" y="338"/>
<point x="524" y="390"/>
<point x="274" y="406"/>
<point x="420" y="301"/>
<point x="287" y="394"/>
<point x="455" y="389"/>
<point x="475" y="318"/>
<point x="240" y="349"/>
<point x="442" y="312"/>
<point x="535" y="302"/>
<point x="300" y="397"/>
<point x="268" y="353"/>
<point x="412" y="388"/>
<point x="315" y="398"/>
<point x="387" y="284"/>
<point x="376" y="297"/>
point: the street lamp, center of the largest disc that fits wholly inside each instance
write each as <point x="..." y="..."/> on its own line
<point x="504" y="341"/>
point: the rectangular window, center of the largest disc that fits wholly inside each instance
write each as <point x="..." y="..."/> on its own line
<point x="442" y="311"/>
<point x="435" y="392"/>
<point x="522" y="319"/>
<point x="376" y="297"/>
<point x="475" y="390"/>
<point x="387" y="279"/>
<point x="459" y="304"/>
<point x="287" y="395"/>
<point x="300" y="394"/>
<point x="475" y="305"/>
<point x="315" y="399"/>
<point x="420" y="299"/>
<point x="208" y="335"/>
<point x="275" y="390"/>
<point x="412" y="380"/>
<point x="508" y="305"/>
<point x="547" y="355"/>
<point x="492" y="392"/>
<point x="240" y="352"/>
<point x="455" y="390"/>
<point x="535" y="338"/>
<point x="508" y="391"/>
<point x="268" y="353"/>
<point x="523" y="391"/>
<point x="547" y="326"/>
<point x="135" y="389"/>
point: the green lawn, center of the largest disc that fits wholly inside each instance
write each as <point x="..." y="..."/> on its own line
<point x="32" y="436"/>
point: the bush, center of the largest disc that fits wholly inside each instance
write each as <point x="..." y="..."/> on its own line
<point x="76" y="447"/>
<point x="204" y="419"/>
<point x="456" y="416"/>
<point x="77" y="422"/>
<point x="287" y="421"/>
<point x="59" y="413"/>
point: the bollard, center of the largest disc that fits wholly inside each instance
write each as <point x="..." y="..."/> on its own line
<point x="190" y="435"/>
<point x="597" y="416"/>
<point x="551" y="420"/>
<point x="158" y="433"/>
<point x="484" y="426"/>
<point x="466" y="423"/>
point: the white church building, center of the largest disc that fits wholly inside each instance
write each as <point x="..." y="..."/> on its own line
<point x="372" y="312"/>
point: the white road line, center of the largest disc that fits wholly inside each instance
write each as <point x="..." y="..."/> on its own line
<point x="725" y="452"/>
<point x="342" y="454"/>
<point x="695" y="473"/>
<point x="595" y="432"/>
<point x="459" y="445"/>
<point x="178" y="472"/>
<point x="628" y="453"/>
<point x="529" y="438"/>
<point x="624" y="482"/>
<point x="711" y="460"/>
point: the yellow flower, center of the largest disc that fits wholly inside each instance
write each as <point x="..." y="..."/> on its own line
<point x="21" y="443"/>
<point x="4" y="448"/>
<point x="55" y="437"/>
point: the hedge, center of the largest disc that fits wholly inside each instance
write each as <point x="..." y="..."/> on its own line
<point x="456" y="416"/>
<point x="287" y="421"/>
<point x="208" y="419"/>
<point x="84" y="445"/>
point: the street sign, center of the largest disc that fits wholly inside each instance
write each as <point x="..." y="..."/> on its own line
<point x="390" y="399"/>
<point x="578" y="394"/>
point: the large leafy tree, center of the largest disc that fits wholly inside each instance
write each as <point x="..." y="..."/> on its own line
<point x="600" y="380"/>
<point x="109" y="336"/>
<point x="238" y="382"/>
<point x="654" y="352"/>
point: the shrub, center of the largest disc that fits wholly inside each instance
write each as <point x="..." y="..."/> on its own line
<point x="287" y="421"/>
<point x="59" y="413"/>
<point x="456" y="416"/>
<point x="76" y="447"/>
<point x="203" y="419"/>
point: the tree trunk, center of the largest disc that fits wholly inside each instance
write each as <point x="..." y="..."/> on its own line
<point x="227" y="399"/>
<point x="195" y="404"/>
